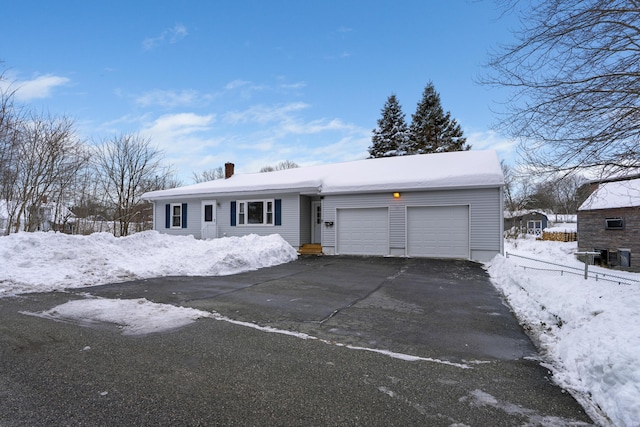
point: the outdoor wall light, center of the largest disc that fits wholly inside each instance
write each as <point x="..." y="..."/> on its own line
<point x="396" y="195"/>
<point x="328" y="223"/>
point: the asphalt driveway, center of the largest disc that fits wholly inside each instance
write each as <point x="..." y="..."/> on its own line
<point x="400" y="342"/>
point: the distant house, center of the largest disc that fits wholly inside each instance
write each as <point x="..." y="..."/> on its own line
<point x="609" y="223"/>
<point x="446" y="205"/>
<point x="526" y="221"/>
<point x="53" y="217"/>
<point x="48" y="217"/>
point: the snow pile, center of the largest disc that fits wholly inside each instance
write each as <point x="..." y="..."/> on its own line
<point x="42" y="262"/>
<point x="562" y="227"/>
<point x="133" y="316"/>
<point x="588" y="330"/>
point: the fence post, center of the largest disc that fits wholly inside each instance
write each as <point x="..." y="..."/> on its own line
<point x="588" y="256"/>
<point x="586" y="266"/>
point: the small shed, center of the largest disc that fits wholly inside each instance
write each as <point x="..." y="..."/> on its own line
<point x="526" y="221"/>
<point x="609" y="223"/>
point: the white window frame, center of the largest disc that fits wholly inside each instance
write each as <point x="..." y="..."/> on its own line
<point x="173" y="205"/>
<point x="268" y="216"/>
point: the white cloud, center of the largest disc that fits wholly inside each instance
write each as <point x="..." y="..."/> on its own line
<point x="235" y="84"/>
<point x="172" y="98"/>
<point x="265" y="114"/>
<point x="298" y="85"/>
<point x="318" y="126"/>
<point x="186" y="139"/>
<point x="36" y="88"/>
<point x="491" y="140"/>
<point x="171" y="36"/>
<point x="246" y="88"/>
<point x="180" y="124"/>
<point x="177" y="33"/>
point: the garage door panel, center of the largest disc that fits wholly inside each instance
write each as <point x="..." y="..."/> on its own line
<point x="363" y="231"/>
<point x="438" y="231"/>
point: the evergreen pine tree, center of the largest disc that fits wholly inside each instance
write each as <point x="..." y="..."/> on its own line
<point x="391" y="136"/>
<point x="432" y="130"/>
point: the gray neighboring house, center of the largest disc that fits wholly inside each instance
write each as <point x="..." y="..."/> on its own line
<point x="609" y="223"/>
<point x="445" y="205"/>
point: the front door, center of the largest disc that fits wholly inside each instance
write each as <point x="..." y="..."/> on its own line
<point x="209" y="225"/>
<point x="316" y="222"/>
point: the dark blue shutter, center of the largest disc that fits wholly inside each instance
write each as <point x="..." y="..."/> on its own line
<point x="167" y="220"/>
<point x="184" y="215"/>
<point x="278" y="215"/>
<point x="233" y="214"/>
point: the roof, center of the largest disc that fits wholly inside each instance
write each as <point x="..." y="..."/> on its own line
<point x="461" y="169"/>
<point x="611" y="195"/>
<point x="523" y="212"/>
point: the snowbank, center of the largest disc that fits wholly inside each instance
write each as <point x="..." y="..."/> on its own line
<point x="588" y="330"/>
<point x="42" y="262"/>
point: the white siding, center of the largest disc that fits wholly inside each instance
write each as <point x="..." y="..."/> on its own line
<point x="289" y="230"/>
<point x="485" y="216"/>
<point x="193" y="218"/>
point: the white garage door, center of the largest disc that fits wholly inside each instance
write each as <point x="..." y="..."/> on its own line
<point x="363" y="231"/>
<point x="438" y="231"/>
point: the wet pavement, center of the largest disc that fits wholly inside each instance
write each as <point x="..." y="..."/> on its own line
<point x="398" y="342"/>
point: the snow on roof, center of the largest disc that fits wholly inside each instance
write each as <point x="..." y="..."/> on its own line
<point x="618" y="194"/>
<point x="427" y="171"/>
<point x="522" y="212"/>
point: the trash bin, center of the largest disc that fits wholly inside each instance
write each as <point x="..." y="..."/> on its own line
<point x="625" y="257"/>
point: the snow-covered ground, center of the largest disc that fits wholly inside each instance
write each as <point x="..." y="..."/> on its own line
<point x="589" y="331"/>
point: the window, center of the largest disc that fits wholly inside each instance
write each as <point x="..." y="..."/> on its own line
<point x="255" y="212"/>
<point x="614" y="223"/>
<point x="176" y="216"/>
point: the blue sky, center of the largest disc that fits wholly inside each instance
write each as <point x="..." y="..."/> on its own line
<point x="252" y="82"/>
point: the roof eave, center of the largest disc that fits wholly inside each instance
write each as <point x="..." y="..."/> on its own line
<point x="400" y="188"/>
<point x="233" y="193"/>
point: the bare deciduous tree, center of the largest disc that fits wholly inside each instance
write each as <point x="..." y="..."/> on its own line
<point x="128" y="166"/>
<point x="47" y="157"/>
<point x="285" y="164"/>
<point x="518" y="188"/>
<point x="208" y="175"/>
<point x="574" y="76"/>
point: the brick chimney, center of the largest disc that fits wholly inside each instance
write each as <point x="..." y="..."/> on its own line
<point x="228" y="170"/>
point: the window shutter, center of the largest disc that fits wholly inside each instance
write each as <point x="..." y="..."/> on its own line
<point x="278" y="213"/>
<point x="167" y="219"/>
<point x="184" y="215"/>
<point x="233" y="213"/>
